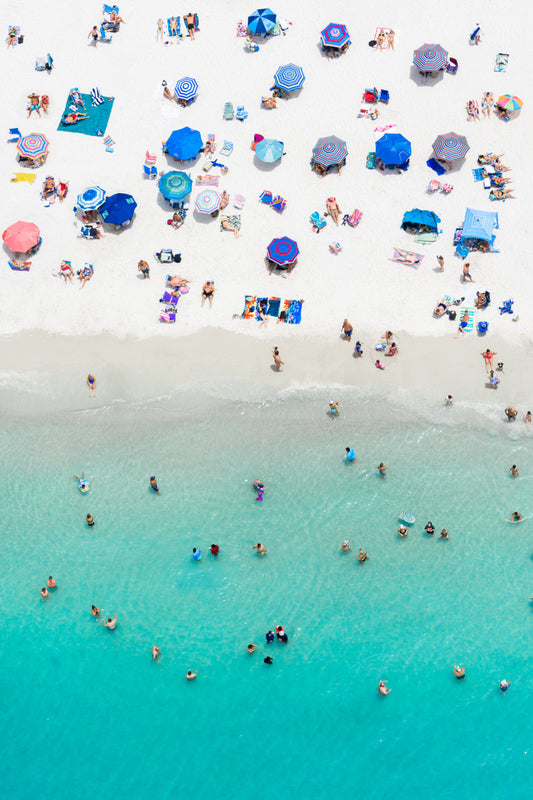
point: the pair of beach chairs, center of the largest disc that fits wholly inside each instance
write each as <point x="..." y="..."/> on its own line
<point x="229" y="112"/>
<point x="317" y="221"/>
<point x="277" y="202"/>
<point x="149" y="167"/>
<point x="375" y="96"/>
<point x="352" y="220"/>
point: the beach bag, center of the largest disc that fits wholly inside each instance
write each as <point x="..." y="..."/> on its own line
<point x="21" y="39"/>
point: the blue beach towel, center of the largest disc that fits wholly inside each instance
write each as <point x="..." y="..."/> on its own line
<point x="294" y="316"/>
<point x="435" y="166"/>
<point x="273" y="306"/>
<point x="97" y="121"/>
<point x="178" y="27"/>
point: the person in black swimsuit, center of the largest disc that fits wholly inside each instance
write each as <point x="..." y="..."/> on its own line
<point x="208" y="290"/>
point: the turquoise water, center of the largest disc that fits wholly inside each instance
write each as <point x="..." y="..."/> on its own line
<point x="87" y="712"/>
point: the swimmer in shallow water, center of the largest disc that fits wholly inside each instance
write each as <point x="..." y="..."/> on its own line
<point x="459" y="672"/>
<point x="260" y="489"/>
<point x="444" y="534"/>
<point x="191" y="675"/>
<point x="345" y="546"/>
<point x="382" y="469"/>
<point x="51" y="584"/>
<point x="350" y="454"/>
<point x="430" y="528"/>
<point x="156" y="652"/>
<point x="269" y="636"/>
<point x="251" y="648"/>
<point x="402" y="530"/>
<point x="514" y="471"/>
<point x="504" y="685"/>
<point x="261" y="549"/>
<point x="268" y="660"/>
<point x="382" y="688"/>
<point x="95" y="611"/>
<point x="214" y="549"/>
<point x="153" y="484"/>
<point x="196" y="554"/>
<point x="362" y="557"/>
<point x="44" y="593"/>
<point x="90" y="520"/>
<point x="111" y="624"/>
<point x="516" y="516"/>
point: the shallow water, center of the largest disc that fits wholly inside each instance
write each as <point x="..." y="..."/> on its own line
<point x="88" y="712"/>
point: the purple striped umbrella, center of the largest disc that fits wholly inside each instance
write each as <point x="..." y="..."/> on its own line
<point x="329" y="151"/>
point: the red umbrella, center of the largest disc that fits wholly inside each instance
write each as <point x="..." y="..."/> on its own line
<point x="21" y="236"/>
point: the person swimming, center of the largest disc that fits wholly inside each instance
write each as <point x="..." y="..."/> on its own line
<point x="280" y="633"/>
<point x="51" y="583"/>
<point x="251" y="648"/>
<point x="459" y="672"/>
<point x="516" y="516"/>
<point x="345" y="546"/>
<point x="156" y="652"/>
<point x="111" y="623"/>
<point x="153" y="484"/>
<point x="260" y="489"/>
<point x="382" y="469"/>
<point x="261" y="549"/>
<point x="269" y="636"/>
<point x="268" y="660"/>
<point x="430" y="528"/>
<point x="95" y="611"/>
<point x="90" y="520"/>
<point x="196" y="554"/>
<point x="350" y="454"/>
<point x="402" y="530"/>
<point x="362" y="557"/>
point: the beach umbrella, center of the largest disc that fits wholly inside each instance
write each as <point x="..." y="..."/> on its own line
<point x="289" y="77"/>
<point x="450" y="146"/>
<point x="91" y="198"/>
<point x="335" y="35"/>
<point x="283" y="251"/>
<point x="175" y="185"/>
<point x="184" y="143"/>
<point x="393" y="148"/>
<point x="509" y="103"/>
<point x="33" y="145"/>
<point x="21" y="236"/>
<point x="329" y="151"/>
<point x="117" y="208"/>
<point x="430" y="57"/>
<point x="269" y="150"/>
<point x="261" y="21"/>
<point x="186" y="89"/>
<point x="207" y="201"/>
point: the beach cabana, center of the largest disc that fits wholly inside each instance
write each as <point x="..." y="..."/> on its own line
<point x="91" y="198"/>
<point x="183" y="144"/>
<point x="289" y="77"/>
<point x="175" y="186"/>
<point x="336" y="36"/>
<point x="329" y="151"/>
<point x="425" y="224"/>
<point x="478" y="230"/>
<point x="118" y="209"/>
<point x="430" y="58"/>
<point x="393" y="149"/>
<point x="269" y="150"/>
<point x="34" y="145"/>
<point x="450" y="147"/>
<point x="208" y="201"/>
<point x="261" y="21"/>
<point x="186" y="89"/>
<point x="21" y="236"/>
<point x="283" y="252"/>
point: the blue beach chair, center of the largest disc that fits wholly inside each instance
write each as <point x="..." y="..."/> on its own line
<point x="103" y="37"/>
<point x="14" y="135"/>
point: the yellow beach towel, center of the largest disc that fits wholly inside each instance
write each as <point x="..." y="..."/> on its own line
<point x="23" y="176"/>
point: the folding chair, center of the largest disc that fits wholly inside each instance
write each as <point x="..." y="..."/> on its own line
<point x="14" y="135"/>
<point x="227" y="149"/>
<point x="317" y="221"/>
<point x="229" y="113"/>
<point x="241" y="113"/>
<point x="103" y="37"/>
<point x="150" y="158"/>
<point x="166" y="316"/>
<point x="434" y="186"/>
<point x="278" y="203"/>
<point x="384" y="96"/>
<point x="266" y="197"/>
<point x="150" y="171"/>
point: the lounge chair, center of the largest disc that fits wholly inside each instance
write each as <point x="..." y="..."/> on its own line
<point x="352" y="220"/>
<point x="384" y="96"/>
<point x="317" y="221"/>
<point x="103" y="37"/>
<point x="170" y="299"/>
<point x="96" y="97"/>
<point x="371" y="161"/>
<point x="150" y="171"/>
<point x="335" y="247"/>
<point x="278" y="203"/>
<point x="14" y="135"/>
<point x="226" y="150"/>
<point x="266" y="197"/>
<point x="167" y="316"/>
<point x="506" y="307"/>
<point x="150" y="159"/>
<point x="241" y="113"/>
<point x="452" y="66"/>
<point x="107" y="24"/>
<point x="370" y="95"/>
<point x="434" y="186"/>
<point x="229" y="113"/>
<point x="43" y="64"/>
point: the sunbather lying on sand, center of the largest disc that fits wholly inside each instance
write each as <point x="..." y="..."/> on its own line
<point x="441" y="308"/>
<point x="226" y="224"/>
<point x="269" y="102"/>
<point x="176" y="281"/>
<point x="501" y="194"/>
<point x="71" y="119"/>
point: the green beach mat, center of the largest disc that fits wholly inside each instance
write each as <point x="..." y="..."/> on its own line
<point x="96" y="124"/>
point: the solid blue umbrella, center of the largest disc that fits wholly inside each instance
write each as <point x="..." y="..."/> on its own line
<point x="393" y="148"/>
<point x="289" y="77"/>
<point x="184" y="144"/>
<point x="283" y="251"/>
<point x="118" y="208"/>
<point x="175" y="185"/>
<point x="335" y="35"/>
<point x="269" y="150"/>
<point x="451" y="146"/>
<point x="91" y="198"/>
<point x="186" y="89"/>
<point x="261" y="21"/>
<point x="430" y="57"/>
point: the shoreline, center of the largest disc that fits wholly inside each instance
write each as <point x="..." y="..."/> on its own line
<point x="41" y="373"/>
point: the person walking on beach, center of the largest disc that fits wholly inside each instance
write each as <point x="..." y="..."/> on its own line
<point x="160" y="30"/>
<point x="488" y="355"/>
<point x="511" y="413"/>
<point x="448" y="401"/>
<point x="277" y="359"/>
<point x="346" y="331"/>
<point x="93" y="34"/>
<point x="144" y="269"/>
<point x="333" y="409"/>
<point x="208" y="292"/>
<point x="466" y="274"/>
<point x="91" y="383"/>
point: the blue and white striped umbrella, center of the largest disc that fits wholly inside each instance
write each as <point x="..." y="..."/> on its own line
<point x="430" y="57"/>
<point x="289" y="77"/>
<point x="186" y="89"/>
<point x="91" y="198"/>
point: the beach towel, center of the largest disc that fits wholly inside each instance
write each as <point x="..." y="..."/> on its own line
<point x="96" y="96"/>
<point x="407" y="257"/>
<point x="435" y="166"/>
<point x="22" y="176"/>
<point x="261" y="305"/>
<point x="386" y="42"/>
<point x="238" y="201"/>
<point x="284" y="312"/>
<point x="478" y="174"/>
<point x="273" y="306"/>
<point x="96" y="123"/>
<point x="249" y="306"/>
<point x="502" y="59"/>
<point x="109" y="142"/>
<point x="207" y="180"/>
<point x="233" y="219"/>
<point x="471" y="312"/>
<point x="295" y="312"/>
<point x="178" y="27"/>
<point x="20" y="266"/>
<point x="426" y="237"/>
<point x="241" y="28"/>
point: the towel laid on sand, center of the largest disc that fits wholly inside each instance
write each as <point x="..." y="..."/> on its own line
<point x="407" y="257"/>
<point x="233" y="219"/>
<point x="207" y="180"/>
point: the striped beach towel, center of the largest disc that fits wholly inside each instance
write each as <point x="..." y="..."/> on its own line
<point x="109" y="142"/>
<point x="471" y="312"/>
<point x="407" y="257"/>
<point x="96" y="96"/>
<point x="167" y="316"/>
<point x="238" y="201"/>
<point x="207" y="180"/>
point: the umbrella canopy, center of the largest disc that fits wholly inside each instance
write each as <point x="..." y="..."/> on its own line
<point x="335" y="35"/>
<point x="33" y="145"/>
<point x="450" y="146"/>
<point x="289" y="77"/>
<point x="269" y="150"/>
<point x="207" y="201"/>
<point x="186" y="89"/>
<point x="184" y="144"/>
<point x="175" y="185"/>
<point x="393" y="148"/>
<point x="91" y="198"/>
<point x="261" y="21"/>
<point x="283" y="251"/>
<point x="509" y="102"/>
<point x="329" y="151"/>
<point x="21" y="236"/>
<point x="430" y="57"/>
<point x="118" y="208"/>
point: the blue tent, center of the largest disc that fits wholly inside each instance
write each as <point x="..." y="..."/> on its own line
<point x="417" y="219"/>
<point x="184" y="144"/>
<point x="479" y="225"/>
<point x="393" y="149"/>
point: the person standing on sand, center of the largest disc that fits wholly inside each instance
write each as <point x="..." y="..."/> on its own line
<point x="93" y="34"/>
<point x="346" y="331"/>
<point x="143" y="268"/>
<point x="488" y="355"/>
<point x="277" y="359"/>
<point x="91" y="383"/>
<point x="466" y="274"/>
<point x="448" y="401"/>
<point x="440" y="262"/>
<point x="160" y="30"/>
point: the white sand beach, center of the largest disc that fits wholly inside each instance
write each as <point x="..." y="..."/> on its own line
<point x="361" y="282"/>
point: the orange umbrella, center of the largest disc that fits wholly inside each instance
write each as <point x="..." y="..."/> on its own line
<point x="21" y="236"/>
